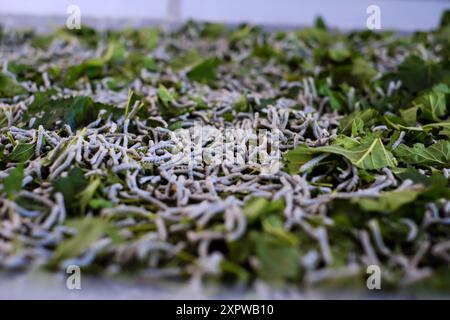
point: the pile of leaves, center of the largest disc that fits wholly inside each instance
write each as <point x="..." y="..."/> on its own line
<point x="91" y="175"/>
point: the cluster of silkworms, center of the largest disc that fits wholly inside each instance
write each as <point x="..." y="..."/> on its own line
<point x="183" y="201"/>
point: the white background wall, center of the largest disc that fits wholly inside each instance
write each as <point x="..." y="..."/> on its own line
<point x="395" y="14"/>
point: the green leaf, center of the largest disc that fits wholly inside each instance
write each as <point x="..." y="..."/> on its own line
<point x="91" y="68"/>
<point x="369" y="154"/>
<point x="164" y="95"/>
<point x="273" y="225"/>
<point x="445" y="125"/>
<point x="363" y="71"/>
<point x="367" y="117"/>
<point x="410" y="115"/>
<point x="213" y="30"/>
<point x="417" y="75"/>
<point x="149" y="37"/>
<point x="357" y="127"/>
<point x="436" y="154"/>
<point x="277" y="260"/>
<point x="445" y="19"/>
<point x="88" y="230"/>
<point x="70" y="186"/>
<point x="445" y="132"/>
<point x="398" y="123"/>
<point x="265" y="52"/>
<point x="389" y="201"/>
<point x="229" y="267"/>
<point x="187" y="59"/>
<point x="254" y="208"/>
<point x="432" y="105"/>
<point x="116" y="53"/>
<point x="436" y="184"/>
<point x="205" y="71"/>
<point x="337" y="99"/>
<point x="297" y="157"/>
<point x="12" y="184"/>
<point x="9" y="88"/>
<point x="339" y="54"/>
<point x="137" y="61"/>
<point x="21" y="152"/>
<point x="241" y="104"/>
<point x="257" y="207"/>
<point x="75" y="111"/>
<point x="165" y="106"/>
<point x="100" y="203"/>
<point x="85" y="35"/>
<point x="87" y="194"/>
<point x="240" y="34"/>
<point x="320" y="23"/>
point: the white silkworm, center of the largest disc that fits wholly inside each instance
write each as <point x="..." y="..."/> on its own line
<point x="313" y="162"/>
<point x="374" y="227"/>
<point x="56" y="172"/>
<point x="40" y="135"/>
<point x="370" y="252"/>
<point x="62" y="208"/>
<point x="413" y="229"/>
<point x="126" y="166"/>
<point x="399" y="140"/>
